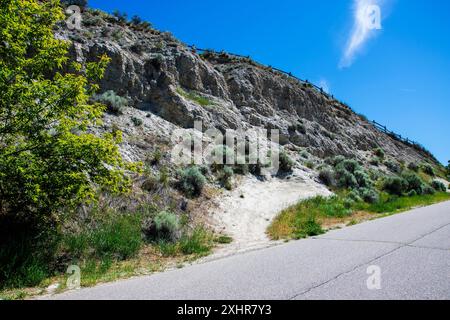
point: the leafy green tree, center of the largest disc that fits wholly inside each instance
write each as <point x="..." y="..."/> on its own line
<point x="49" y="160"/>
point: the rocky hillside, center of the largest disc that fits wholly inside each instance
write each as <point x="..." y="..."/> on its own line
<point x="165" y="80"/>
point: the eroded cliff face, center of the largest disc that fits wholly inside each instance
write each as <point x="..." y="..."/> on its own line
<point x="161" y="76"/>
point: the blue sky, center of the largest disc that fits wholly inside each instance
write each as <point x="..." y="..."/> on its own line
<point x="399" y="75"/>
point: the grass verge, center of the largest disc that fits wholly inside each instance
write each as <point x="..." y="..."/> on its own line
<point x="113" y="249"/>
<point x="311" y="216"/>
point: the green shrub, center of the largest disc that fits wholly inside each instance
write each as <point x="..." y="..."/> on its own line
<point x="223" y="239"/>
<point x="428" y="169"/>
<point x="218" y="157"/>
<point x="225" y="177"/>
<point x="191" y="181"/>
<point x="199" y="242"/>
<point x="308" y="228"/>
<point x="326" y="175"/>
<point x="167" y="226"/>
<point x="286" y="163"/>
<point x="241" y="169"/>
<point x="412" y="193"/>
<point x="414" y="183"/>
<point x="150" y="183"/>
<point x="255" y="169"/>
<point x="369" y="195"/>
<point x="304" y="154"/>
<point x="167" y="248"/>
<point x="438" y="186"/>
<point x="227" y="172"/>
<point x="164" y="177"/>
<point x="120" y="17"/>
<point x="379" y="152"/>
<point x="154" y="158"/>
<point x="346" y="179"/>
<point x="429" y="190"/>
<point x="137" y="121"/>
<point x="334" y="161"/>
<point x="114" y="103"/>
<point x="349" y="165"/>
<point x="92" y="21"/>
<point x="328" y="207"/>
<point x="354" y="196"/>
<point x="136" y="20"/>
<point x="393" y="166"/>
<point x="375" y="162"/>
<point x="413" y="167"/>
<point x="363" y="179"/>
<point x="395" y="185"/>
<point x="310" y="164"/>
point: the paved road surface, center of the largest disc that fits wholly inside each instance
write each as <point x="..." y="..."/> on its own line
<point x="411" y="249"/>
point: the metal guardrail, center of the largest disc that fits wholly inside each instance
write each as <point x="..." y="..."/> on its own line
<point x="378" y="126"/>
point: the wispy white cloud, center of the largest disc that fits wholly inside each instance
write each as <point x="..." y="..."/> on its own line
<point x="364" y="28"/>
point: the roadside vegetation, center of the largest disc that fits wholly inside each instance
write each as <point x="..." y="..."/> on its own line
<point x="66" y="195"/>
<point x="360" y="194"/>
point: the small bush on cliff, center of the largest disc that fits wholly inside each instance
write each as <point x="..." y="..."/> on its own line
<point x="121" y="17"/>
<point x="438" y="186"/>
<point x="137" y="121"/>
<point x="363" y="178"/>
<point x="326" y="175"/>
<point x="191" y="181"/>
<point x="414" y="183"/>
<point x="393" y="166"/>
<point x="379" y="153"/>
<point x="395" y="185"/>
<point x="334" y="161"/>
<point x="369" y="195"/>
<point x="346" y="179"/>
<point x="225" y="177"/>
<point x="286" y="163"/>
<point x="428" y="190"/>
<point x="413" y="167"/>
<point x="375" y="162"/>
<point x="428" y="169"/>
<point x="114" y="103"/>
<point x="167" y="226"/>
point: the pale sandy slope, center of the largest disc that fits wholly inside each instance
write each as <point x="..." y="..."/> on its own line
<point x="245" y="212"/>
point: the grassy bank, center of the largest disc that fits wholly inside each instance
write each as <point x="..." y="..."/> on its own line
<point x="111" y="246"/>
<point x="311" y="217"/>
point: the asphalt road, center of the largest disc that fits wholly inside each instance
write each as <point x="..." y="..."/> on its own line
<point x="411" y="251"/>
